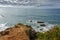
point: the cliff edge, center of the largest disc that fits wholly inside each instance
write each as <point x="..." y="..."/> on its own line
<point x="18" y="32"/>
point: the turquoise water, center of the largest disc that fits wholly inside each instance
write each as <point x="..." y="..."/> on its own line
<point x="13" y="16"/>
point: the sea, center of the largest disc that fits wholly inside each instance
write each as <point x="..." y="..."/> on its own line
<point x="10" y="16"/>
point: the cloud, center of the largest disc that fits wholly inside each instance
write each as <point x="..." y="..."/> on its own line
<point x="37" y="3"/>
<point x="16" y="2"/>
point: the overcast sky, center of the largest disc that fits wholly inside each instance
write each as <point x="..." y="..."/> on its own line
<point x="43" y="3"/>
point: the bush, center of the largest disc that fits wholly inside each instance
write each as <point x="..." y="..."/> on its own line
<point x="53" y="34"/>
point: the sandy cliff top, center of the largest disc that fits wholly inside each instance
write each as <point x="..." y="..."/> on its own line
<point x="18" y="32"/>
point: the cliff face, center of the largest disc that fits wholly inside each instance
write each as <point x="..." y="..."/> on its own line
<point x="18" y="32"/>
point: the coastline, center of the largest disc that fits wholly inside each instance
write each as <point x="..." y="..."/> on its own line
<point x="36" y="25"/>
<point x="24" y="32"/>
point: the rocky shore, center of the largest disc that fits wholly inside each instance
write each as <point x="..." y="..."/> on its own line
<point x="18" y="32"/>
<point x="25" y="32"/>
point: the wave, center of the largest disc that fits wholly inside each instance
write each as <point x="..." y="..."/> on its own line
<point x="43" y="29"/>
<point x="3" y="26"/>
<point x="36" y="26"/>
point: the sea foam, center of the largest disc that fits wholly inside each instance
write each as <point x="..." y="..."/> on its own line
<point x="3" y="26"/>
<point x="36" y="26"/>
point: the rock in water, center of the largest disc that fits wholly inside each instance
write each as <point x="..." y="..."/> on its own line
<point x="18" y="32"/>
<point x="42" y="25"/>
<point x="40" y="22"/>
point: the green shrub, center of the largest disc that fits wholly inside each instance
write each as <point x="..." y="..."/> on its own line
<point x="53" y="34"/>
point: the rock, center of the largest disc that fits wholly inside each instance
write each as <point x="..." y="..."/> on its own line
<point x="39" y="22"/>
<point x="30" y="21"/>
<point x="37" y="26"/>
<point x="4" y="33"/>
<point x="32" y="34"/>
<point x="42" y="25"/>
<point x="41" y="29"/>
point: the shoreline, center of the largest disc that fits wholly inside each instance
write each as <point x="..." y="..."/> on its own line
<point x="22" y="32"/>
<point x="36" y="28"/>
<point x="37" y="25"/>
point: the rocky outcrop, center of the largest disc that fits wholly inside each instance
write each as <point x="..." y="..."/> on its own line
<point x="40" y="22"/>
<point x="18" y="32"/>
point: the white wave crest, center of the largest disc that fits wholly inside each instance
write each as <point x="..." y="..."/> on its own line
<point x="3" y="27"/>
<point x="36" y="26"/>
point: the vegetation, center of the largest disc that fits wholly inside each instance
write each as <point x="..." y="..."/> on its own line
<point x="53" y="34"/>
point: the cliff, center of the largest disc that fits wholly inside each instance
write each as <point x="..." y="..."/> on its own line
<point x="18" y="32"/>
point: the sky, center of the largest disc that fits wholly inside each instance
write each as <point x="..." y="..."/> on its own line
<point x="37" y="3"/>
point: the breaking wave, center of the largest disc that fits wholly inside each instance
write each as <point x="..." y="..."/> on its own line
<point x="3" y="26"/>
<point x="36" y="26"/>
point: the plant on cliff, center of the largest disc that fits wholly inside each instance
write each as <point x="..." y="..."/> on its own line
<point x="53" y="34"/>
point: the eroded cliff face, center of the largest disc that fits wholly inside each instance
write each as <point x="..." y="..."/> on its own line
<point x="18" y="32"/>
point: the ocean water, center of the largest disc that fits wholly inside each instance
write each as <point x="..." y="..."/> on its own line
<point x="11" y="16"/>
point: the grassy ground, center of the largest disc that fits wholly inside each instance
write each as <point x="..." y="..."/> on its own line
<point x="53" y="34"/>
